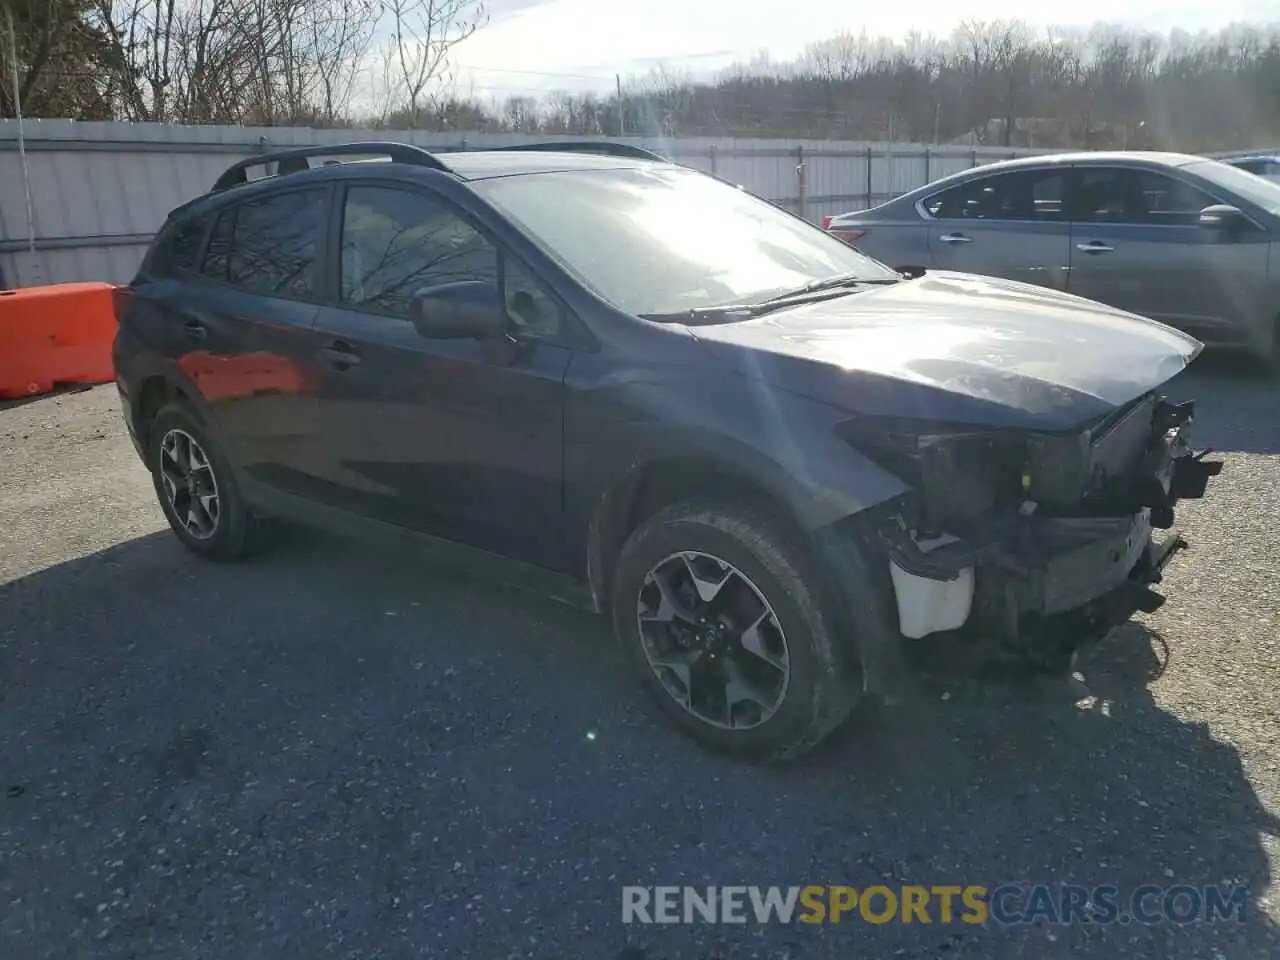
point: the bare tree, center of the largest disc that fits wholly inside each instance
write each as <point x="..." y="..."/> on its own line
<point x="338" y="33"/>
<point x="303" y="62"/>
<point x="521" y="115"/>
<point x="259" y="61"/>
<point x="425" y="32"/>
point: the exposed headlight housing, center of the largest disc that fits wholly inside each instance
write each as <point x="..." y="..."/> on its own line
<point x="959" y="471"/>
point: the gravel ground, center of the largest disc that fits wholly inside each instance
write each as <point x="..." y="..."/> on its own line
<point x="339" y="751"/>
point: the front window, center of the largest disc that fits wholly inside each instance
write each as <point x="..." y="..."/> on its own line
<point x="666" y="240"/>
<point x="397" y="242"/>
<point x="1130" y="195"/>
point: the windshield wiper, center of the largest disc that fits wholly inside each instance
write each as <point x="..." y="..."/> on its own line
<point x="731" y="313"/>
<point x="696" y="315"/>
<point x="834" y="283"/>
<point x="813" y="292"/>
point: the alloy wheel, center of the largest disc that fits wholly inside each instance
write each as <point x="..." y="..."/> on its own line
<point x="189" y="484"/>
<point x="713" y="640"/>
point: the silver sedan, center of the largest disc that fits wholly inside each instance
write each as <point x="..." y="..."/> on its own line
<point x="1180" y="239"/>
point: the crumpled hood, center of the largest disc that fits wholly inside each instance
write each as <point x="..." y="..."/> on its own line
<point x="958" y="348"/>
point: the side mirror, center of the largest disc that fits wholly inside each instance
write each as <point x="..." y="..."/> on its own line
<point x="470" y="308"/>
<point x="1222" y="216"/>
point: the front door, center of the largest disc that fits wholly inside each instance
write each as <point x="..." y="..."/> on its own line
<point x="1009" y="225"/>
<point x="1136" y="245"/>
<point x="461" y="438"/>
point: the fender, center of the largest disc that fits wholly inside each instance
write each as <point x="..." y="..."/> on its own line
<point x="777" y="444"/>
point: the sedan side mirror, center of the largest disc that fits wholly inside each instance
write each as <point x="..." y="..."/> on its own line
<point x="470" y="308"/>
<point x="1222" y="216"/>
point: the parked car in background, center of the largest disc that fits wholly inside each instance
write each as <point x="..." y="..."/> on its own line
<point x="771" y="460"/>
<point x="1180" y="239"/>
<point x="1267" y="167"/>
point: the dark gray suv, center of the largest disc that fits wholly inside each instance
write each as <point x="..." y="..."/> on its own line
<point x="775" y="463"/>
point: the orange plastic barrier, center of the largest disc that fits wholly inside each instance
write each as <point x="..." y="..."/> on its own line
<point x="55" y="334"/>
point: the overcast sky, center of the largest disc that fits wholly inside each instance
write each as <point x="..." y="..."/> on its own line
<point x="532" y="46"/>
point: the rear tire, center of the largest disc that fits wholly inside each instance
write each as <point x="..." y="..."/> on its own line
<point x="771" y="694"/>
<point x="197" y="490"/>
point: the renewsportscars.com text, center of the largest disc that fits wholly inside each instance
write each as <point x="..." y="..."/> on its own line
<point x="943" y="904"/>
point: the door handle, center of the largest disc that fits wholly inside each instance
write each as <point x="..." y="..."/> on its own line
<point x="339" y="355"/>
<point x="955" y="238"/>
<point x="1094" y="246"/>
<point x="194" y="330"/>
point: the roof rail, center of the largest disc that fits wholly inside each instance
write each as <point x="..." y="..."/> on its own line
<point x="606" y="148"/>
<point x="295" y="161"/>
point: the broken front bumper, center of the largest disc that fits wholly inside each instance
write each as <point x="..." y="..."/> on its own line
<point x="1039" y="578"/>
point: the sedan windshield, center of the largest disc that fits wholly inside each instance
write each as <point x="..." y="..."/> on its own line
<point x="663" y="240"/>
<point x="1249" y="187"/>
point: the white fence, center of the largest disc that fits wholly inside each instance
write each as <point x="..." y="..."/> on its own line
<point x="99" y="191"/>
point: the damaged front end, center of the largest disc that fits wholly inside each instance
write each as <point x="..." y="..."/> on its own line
<point x="1034" y="543"/>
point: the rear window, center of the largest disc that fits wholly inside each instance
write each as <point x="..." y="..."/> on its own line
<point x="1017" y="195"/>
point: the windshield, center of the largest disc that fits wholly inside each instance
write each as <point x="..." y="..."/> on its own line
<point x="1254" y="189"/>
<point x="664" y="240"/>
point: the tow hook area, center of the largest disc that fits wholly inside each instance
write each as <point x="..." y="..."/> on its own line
<point x="1188" y="479"/>
<point x="1191" y="475"/>
<point x="1136" y="595"/>
<point x="1158" y="557"/>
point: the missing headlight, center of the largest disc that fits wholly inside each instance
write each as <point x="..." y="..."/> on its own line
<point x="959" y="473"/>
<point x="963" y="478"/>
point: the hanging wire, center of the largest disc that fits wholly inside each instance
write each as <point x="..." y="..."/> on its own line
<point x="22" y="140"/>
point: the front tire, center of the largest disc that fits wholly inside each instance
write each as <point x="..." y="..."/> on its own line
<point x="196" y="488"/>
<point x="726" y="622"/>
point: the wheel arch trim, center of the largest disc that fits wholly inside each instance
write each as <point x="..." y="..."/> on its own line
<point x="810" y="503"/>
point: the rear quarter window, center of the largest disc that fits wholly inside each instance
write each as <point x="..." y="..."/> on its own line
<point x="178" y="251"/>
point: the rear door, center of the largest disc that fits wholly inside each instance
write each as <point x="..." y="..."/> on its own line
<point x="1137" y="245"/>
<point x="250" y="332"/>
<point x="1009" y="225"/>
<point x="461" y="438"/>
